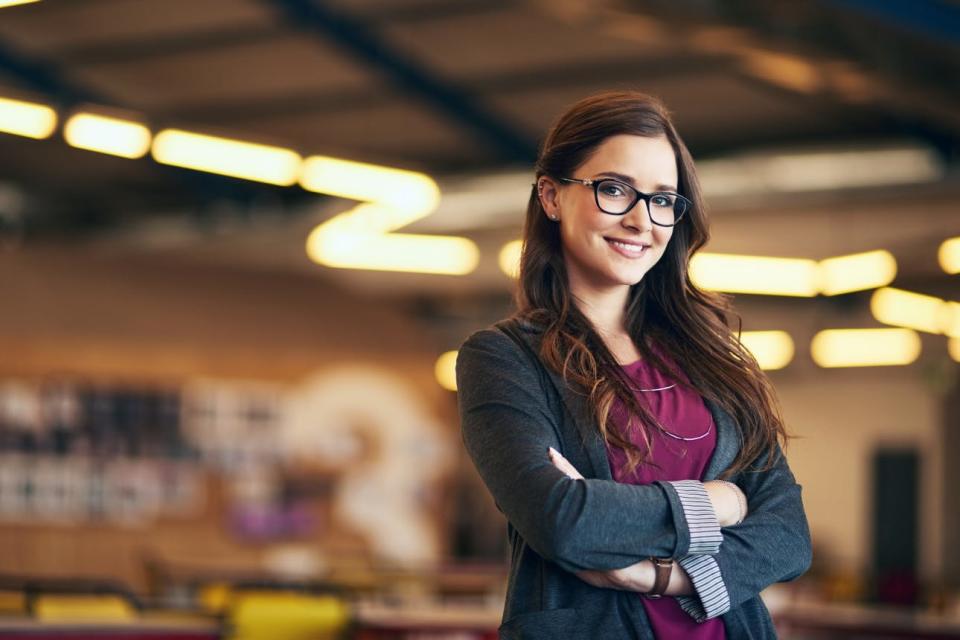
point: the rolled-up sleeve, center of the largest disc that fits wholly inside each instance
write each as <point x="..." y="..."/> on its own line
<point x="507" y="426"/>
<point x="705" y="536"/>
<point x="712" y="598"/>
<point x="771" y="545"/>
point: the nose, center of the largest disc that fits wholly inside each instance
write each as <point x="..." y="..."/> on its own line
<point x="638" y="217"/>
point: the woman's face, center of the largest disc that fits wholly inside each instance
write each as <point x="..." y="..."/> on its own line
<point x="603" y="251"/>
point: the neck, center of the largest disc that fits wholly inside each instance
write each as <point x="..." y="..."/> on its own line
<point x="605" y="308"/>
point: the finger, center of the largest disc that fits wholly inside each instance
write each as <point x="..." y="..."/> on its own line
<point x="564" y="465"/>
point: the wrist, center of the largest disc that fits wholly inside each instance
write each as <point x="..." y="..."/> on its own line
<point x="663" y="574"/>
<point x="638" y="577"/>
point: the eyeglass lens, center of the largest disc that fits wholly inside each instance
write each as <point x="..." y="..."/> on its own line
<point x="617" y="198"/>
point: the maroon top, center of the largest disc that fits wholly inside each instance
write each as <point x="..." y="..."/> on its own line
<point x="681" y="411"/>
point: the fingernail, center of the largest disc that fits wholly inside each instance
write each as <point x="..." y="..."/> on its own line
<point x="551" y="451"/>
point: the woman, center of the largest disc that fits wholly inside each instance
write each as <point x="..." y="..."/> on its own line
<point x="604" y="414"/>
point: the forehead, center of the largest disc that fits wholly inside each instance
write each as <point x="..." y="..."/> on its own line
<point x="649" y="161"/>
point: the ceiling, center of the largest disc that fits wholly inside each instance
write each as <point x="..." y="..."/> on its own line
<point x="460" y="89"/>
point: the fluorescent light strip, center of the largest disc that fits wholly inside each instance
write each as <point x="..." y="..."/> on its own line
<point x="949" y="255"/>
<point x="857" y="272"/>
<point x="27" y="119"/>
<point x="112" y="136"/>
<point x="403" y="191"/>
<point x="761" y="173"/>
<point x="755" y="274"/>
<point x="865" y="347"/>
<point x="912" y="310"/>
<point x="13" y="3"/>
<point x="950" y="319"/>
<point x="362" y="237"/>
<point x="343" y="244"/>
<point x="446" y="370"/>
<point x="953" y="348"/>
<point x="855" y="168"/>
<point x="772" y="349"/>
<point x="509" y="258"/>
<point x="227" y="157"/>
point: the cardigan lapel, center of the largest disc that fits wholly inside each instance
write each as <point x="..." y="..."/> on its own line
<point x="578" y="423"/>
<point x="584" y="423"/>
<point x="728" y="442"/>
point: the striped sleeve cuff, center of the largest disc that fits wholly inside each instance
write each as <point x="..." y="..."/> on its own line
<point x="705" y="536"/>
<point x="712" y="599"/>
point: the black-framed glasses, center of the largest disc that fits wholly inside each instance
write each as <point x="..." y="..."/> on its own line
<point x="665" y="208"/>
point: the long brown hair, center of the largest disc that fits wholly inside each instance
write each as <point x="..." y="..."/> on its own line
<point x="692" y="327"/>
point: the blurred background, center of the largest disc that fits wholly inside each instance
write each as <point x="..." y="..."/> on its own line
<point x="241" y="240"/>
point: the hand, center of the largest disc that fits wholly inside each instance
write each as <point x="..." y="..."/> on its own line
<point x="563" y="464"/>
<point x="729" y="501"/>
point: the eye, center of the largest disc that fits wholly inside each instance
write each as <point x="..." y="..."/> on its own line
<point x="612" y="189"/>
<point x="663" y="199"/>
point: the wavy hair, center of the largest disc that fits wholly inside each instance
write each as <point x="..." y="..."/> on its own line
<point x="692" y="327"/>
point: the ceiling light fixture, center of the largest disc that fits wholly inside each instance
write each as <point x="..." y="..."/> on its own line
<point x="227" y="157"/>
<point x="865" y="347"/>
<point x="913" y="310"/>
<point x="446" y="370"/>
<point x="103" y="134"/>
<point x="772" y="349"/>
<point x="857" y="272"/>
<point x="28" y="119"/>
<point x="949" y="255"/>
<point x="755" y="274"/>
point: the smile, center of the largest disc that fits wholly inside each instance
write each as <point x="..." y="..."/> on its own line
<point x="628" y="249"/>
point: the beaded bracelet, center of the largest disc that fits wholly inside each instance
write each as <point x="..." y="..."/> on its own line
<point x="741" y="500"/>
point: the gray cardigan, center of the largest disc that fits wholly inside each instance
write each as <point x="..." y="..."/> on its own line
<point x="512" y="409"/>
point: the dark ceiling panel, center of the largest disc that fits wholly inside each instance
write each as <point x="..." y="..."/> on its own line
<point x="52" y="28"/>
<point x="518" y="37"/>
<point x="396" y="127"/>
<point x="284" y="64"/>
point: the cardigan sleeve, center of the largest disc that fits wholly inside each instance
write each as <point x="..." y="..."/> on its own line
<point x="771" y="545"/>
<point x="507" y="426"/>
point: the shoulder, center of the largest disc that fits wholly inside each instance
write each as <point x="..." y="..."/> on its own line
<point x="511" y="335"/>
<point x="503" y="352"/>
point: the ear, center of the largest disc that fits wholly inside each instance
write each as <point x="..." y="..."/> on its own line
<point x="549" y="194"/>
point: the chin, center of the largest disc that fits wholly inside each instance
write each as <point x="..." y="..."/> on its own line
<point x="628" y="279"/>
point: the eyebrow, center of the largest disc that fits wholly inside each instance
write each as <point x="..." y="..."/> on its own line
<point x="625" y="178"/>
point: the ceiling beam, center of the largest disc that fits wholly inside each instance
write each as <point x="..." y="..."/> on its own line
<point x="590" y="73"/>
<point x="45" y="79"/>
<point x="409" y="76"/>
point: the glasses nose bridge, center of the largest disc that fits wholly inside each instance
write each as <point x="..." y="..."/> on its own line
<point x="640" y="209"/>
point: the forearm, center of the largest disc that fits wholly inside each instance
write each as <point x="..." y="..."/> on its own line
<point x="679" y="584"/>
<point x="639" y="578"/>
<point x="771" y="545"/>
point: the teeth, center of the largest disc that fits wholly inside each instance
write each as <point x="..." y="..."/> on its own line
<point x="629" y="247"/>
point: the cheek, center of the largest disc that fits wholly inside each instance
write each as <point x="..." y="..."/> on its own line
<point x="663" y="235"/>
